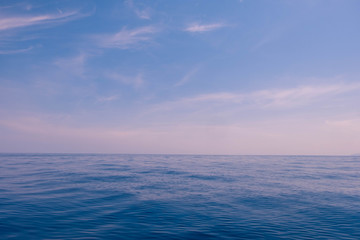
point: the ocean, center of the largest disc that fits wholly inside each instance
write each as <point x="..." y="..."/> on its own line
<point x="98" y="196"/>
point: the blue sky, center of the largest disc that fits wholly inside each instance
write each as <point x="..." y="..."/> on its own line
<point x="187" y="77"/>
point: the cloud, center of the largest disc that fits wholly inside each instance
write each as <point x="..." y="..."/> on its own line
<point x="135" y="81"/>
<point x="108" y="98"/>
<point x="300" y="95"/>
<point x="187" y="77"/>
<point x="126" y="39"/>
<point x="199" y="28"/>
<point x="14" y="51"/>
<point x="22" y="5"/>
<point x="9" y="23"/>
<point x="268" y="98"/>
<point x="74" y="65"/>
<point x="143" y="13"/>
<point x="12" y="27"/>
<point x="352" y="124"/>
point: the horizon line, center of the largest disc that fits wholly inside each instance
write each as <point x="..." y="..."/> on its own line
<point x="186" y="154"/>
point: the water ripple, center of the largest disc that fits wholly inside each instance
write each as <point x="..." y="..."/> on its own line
<point x="78" y="196"/>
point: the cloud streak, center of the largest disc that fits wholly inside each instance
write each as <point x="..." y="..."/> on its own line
<point x="269" y="98"/>
<point x="142" y="13"/>
<point x="135" y="81"/>
<point x="15" y="51"/>
<point x="200" y="28"/>
<point x="74" y="65"/>
<point x="9" y="23"/>
<point x="127" y="38"/>
<point x="12" y="27"/>
<point x="187" y="77"/>
<point x="108" y="98"/>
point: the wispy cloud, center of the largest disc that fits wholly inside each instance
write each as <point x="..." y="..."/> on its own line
<point x="108" y="98"/>
<point x="199" y="28"/>
<point x="22" y="5"/>
<point x="125" y="38"/>
<point x="353" y="123"/>
<point x="74" y="65"/>
<point x="187" y="77"/>
<point x="12" y="27"/>
<point x="300" y="95"/>
<point x="136" y="81"/>
<point x="143" y="13"/>
<point x="14" y="22"/>
<point x="269" y="98"/>
<point x="14" y="51"/>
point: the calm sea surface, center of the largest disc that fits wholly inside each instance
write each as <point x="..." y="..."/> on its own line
<point x="76" y="196"/>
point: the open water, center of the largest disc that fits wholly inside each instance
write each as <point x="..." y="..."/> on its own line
<point x="78" y="196"/>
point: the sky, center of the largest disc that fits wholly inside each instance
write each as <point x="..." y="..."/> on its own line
<point x="180" y="77"/>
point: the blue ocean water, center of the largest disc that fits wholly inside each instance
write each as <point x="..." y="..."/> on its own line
<point x="78" y="196"/>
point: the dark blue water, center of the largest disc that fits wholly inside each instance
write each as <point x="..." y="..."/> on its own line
<point x="49" y="196"/>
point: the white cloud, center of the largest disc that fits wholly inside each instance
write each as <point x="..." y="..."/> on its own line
<point x="196" y="27"/>
<point x="8" y="23"/>
<point x="125" y="38"/>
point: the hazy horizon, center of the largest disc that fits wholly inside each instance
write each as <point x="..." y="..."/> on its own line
<point x="234" y="77"/>
<point x="171" y="154"/>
